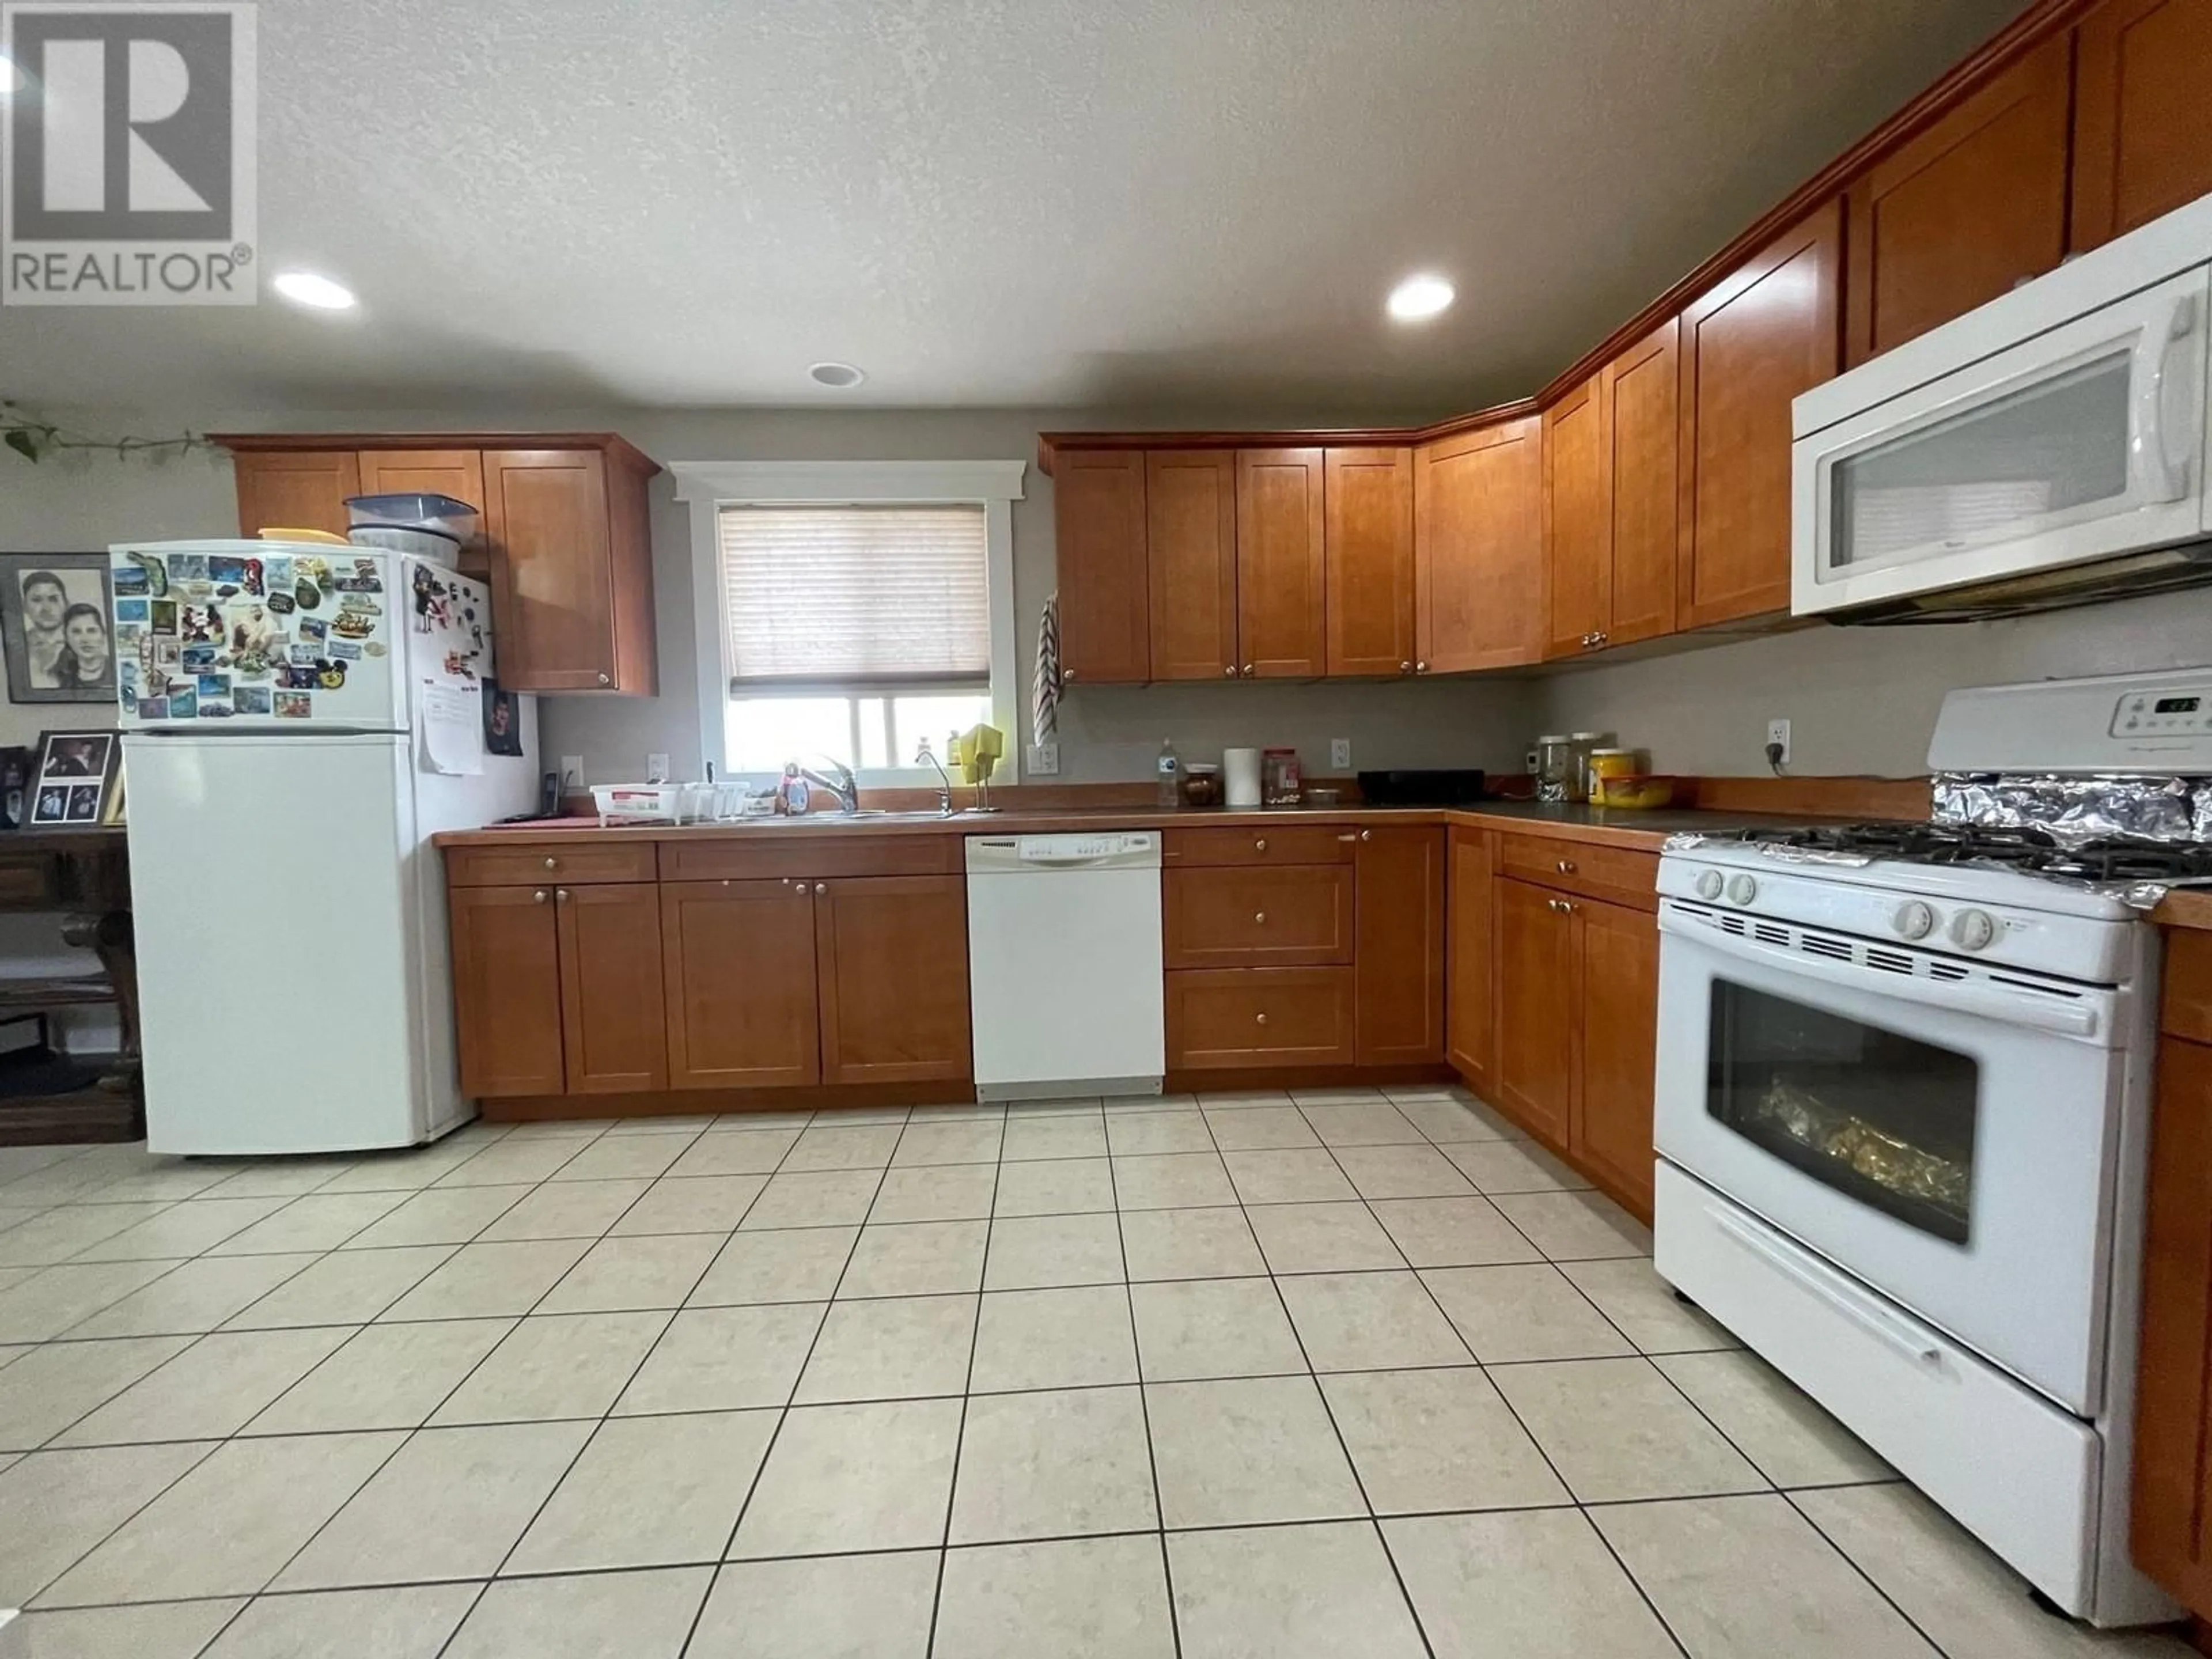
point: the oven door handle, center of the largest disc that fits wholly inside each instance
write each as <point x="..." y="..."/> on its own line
<point x="2016" y="1008"/>
<point x="1876" y="1322"/>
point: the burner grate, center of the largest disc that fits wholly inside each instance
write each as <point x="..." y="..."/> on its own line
<point x="2032" y="852"/>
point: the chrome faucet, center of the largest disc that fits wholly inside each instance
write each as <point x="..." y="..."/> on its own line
<point x="839" y="781"/>
<point x="944" y="794"/>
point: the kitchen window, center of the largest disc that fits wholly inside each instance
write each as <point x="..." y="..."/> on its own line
<point x="852" y="610"/>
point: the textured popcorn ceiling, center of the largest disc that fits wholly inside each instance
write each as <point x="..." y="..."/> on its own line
<point x="1170" y="204"/>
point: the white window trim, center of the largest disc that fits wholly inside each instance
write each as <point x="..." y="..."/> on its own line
<point x="709" y="486"/>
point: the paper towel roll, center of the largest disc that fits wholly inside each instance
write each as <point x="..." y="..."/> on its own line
<point x="1240" y="773"/>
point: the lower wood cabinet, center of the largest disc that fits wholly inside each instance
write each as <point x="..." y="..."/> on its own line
<point x="1470" y="930"/>
<point x="612" y="1037"/>
<point x="1617" y="1028"/>
<point x="1226" y="1019"/>
<point x="892" y="960"/>
<point x="1400" y="954"/>
<point x="738" y="976"/>
<point x="1534" y="1079"/>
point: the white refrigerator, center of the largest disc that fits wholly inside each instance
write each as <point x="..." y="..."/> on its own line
<point x="298" y="720"/>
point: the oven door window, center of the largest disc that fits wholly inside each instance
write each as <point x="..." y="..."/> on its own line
<point x="1885" y="1119"/>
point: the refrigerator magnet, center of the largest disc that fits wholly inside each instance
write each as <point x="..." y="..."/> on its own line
<point x="307" y="595"/>
<point x="252" y="699"/>
<point x="184" y="704"/>
<point x="294" y="705"/>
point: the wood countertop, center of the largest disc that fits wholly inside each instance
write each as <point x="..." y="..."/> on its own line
<point x="1647" y="830"/>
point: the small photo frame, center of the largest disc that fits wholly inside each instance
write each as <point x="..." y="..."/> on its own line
<point x="77" y="781"/>
<point x="58" y="628"/>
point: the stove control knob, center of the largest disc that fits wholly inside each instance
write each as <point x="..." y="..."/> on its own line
<point x="1914" y="919"/>
<point x="1972" y="930"/>
<point x="1708" y="884"/>
<point x="1741" y="889"/>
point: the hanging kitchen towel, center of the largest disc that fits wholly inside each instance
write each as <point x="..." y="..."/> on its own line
<point x="1044" y="700"/>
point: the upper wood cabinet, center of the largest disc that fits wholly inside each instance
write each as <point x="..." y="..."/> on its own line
<point x="1190" y="520"/>
<point x="1961" y="213"/>
<point x="1368" y="504"/>
<point x="891" y="957"/>
<point x="566" y="543"/>
<point x="1281" y="569"/>
<point x="1479" y="548"/>
<point x="297" y="490"/>
<point x="1399" y="1014"/>
<point x="1642" y="399"/>
<point x="1749" y="345"/>
<point x="2143" y="120"/>
<point x="1578" y="520"/>
<point x="1099" y="538"/>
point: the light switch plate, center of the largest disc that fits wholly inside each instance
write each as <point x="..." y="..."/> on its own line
<point x="1339" y="754"/>
<point x="1044" y="760"/>
<point x="572" y="772"/>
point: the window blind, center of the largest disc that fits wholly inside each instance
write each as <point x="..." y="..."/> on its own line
<point x="855" y="596"/>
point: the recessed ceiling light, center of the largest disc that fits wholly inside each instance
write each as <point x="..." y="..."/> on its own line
<point x="304" y="287"/>
<point x="1420" y="297"/>
<point x="842" y="376"/>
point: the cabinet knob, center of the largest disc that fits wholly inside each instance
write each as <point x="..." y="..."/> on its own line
<point x="606" y="679"/>
<point x="1259" y="918"/>
<point x="538" y="897"/>
<point x="1261" y="1019"/>
<point x="1247" y="671"/>
<point x="1406" y="667"/>
<point x="1420" y="668"/>
<point x="1367" y="834"/>
<point x="552" y="864"/>
<point x="1067" y="677"/>
<point x="560" y="893"/>
<point x="1603" y="637"/>
<point x="821" y="886"/>
<point x="1566" y="866"/>
<point x="1230" y="669"/>
<point x="1260" y="844"/>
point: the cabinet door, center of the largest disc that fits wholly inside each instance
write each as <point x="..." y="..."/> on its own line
<point x="1642" y="399"/>
<point x="546" y="522"/>
<point x="1099" y="533"/>
<point x="1259" y="916"/>
<point x="1764" y="333"/>
<point x="1368" y="541"/>
<point x="2173" y="1406"/>
<point x="1400" y="954"/>
<point x="1618" y="963"/>
<point x="1535" y="1076"/>
<point x="1190" y="551"/>
<point x="738" y="964"/>
<point x="1281" y="575"/>
<point x="296" y="490"/>
<point x="2142" y="123"/>
<point x="1961" y="213"/>
<point x="455" y="472"/>
<point x="1469" y="1019"/>
<point x="614" y="1026"/>
<point x="506" y="990"/>
<point x="891" y="958"/>
<point x="1479" y="548"/>
<point x="1577" y="522"/>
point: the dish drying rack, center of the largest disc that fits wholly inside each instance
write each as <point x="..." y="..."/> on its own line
<point x="680" y="803"/>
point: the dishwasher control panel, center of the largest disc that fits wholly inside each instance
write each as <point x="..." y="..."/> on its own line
<point x="1086" y="850"/>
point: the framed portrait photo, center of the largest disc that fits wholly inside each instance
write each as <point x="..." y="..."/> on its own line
<point x="77" y="781"/>
<point x="57" y="626"/>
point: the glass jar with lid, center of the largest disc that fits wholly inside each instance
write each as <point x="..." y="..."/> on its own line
<point x="1555" y="766"/>
<point x="1583" y="744"/>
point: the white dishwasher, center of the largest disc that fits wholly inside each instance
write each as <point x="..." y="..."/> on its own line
<point x="1064" y="965"/>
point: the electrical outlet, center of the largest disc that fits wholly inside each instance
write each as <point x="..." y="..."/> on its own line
<point x="1778" y="732"/>
<point x="572" y="773"/>
<point x="1339" y="754"/>
<point x="1044" y="760"/>
<point x="656" y="768"/>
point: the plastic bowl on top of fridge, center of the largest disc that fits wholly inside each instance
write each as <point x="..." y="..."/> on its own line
<point x="433" y="545"/>
<point x="416" y="510"/>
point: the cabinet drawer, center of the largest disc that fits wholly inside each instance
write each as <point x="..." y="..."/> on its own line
<point x="838" y="853"/>
<point x="2188" y="1007"/>
<point x="1254" y="917"/>
<point x="1282" y="843"/>
<point x="1619" y="873"/>
<point x="575" y="865"/>
<point x="1220" y="1018"/>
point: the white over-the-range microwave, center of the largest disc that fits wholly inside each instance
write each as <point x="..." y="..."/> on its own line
<point x="2047" y="449"/>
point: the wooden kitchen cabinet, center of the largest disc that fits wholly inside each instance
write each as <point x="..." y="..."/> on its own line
<point x="1470" y="1021"/>
<point x="614" y="1036"/>
<point x="892" y="960"/>
<point x="572" y="570"/>
<point x="1534" y="1074"/>
<point x="455" y="472"/>
<point x="1258" y="915"/>
<point x="1963" y="210"/>
<point x="1281" y="567"/>
<point x="2143" y="120"/>
<point x="1099" y="538"/>
<point x="1578" y="520"/>
<point x="296" y="490"/>
<point x="1764" y="333"/>
<point x="1643" y="430"/>
<point x="1617" y="985"/>
<point x="506" y="990"/>
<point x="1232" y="1018"/>
<point x="1190" y="553"/>
<point x="1479" y="548"/>
<point x="1401" y="947"/>
<point x="1368" y="515"/>
<point x="739" y="979"/>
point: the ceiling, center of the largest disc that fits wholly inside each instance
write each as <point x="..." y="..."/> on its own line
<point x="1171" y="205"/>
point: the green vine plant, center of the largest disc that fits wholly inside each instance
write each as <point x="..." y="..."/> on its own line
<point x="32" y="437"/>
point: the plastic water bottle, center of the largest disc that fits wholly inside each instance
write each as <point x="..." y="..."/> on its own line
<point x="1171" y="771"/>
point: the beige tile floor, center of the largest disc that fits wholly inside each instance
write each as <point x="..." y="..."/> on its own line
<point x="1239" y="1376"/>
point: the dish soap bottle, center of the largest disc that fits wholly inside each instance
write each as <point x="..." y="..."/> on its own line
<point x="1171" y="771"/>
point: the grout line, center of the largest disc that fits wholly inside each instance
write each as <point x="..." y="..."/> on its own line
<point x="1144" y="1403"/>
<point x="968" y="1384"/>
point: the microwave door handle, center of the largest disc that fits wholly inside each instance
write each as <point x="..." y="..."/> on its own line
<point x="2024" y="1009"/>
<point x="2155" y="475"/>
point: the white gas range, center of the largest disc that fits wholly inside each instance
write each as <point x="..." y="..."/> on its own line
<point x="1903" y="1107"/>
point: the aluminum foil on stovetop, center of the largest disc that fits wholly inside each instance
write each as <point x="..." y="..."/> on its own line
<point x="2076" y="811"/>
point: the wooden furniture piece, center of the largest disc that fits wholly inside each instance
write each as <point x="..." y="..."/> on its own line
<point x="1105" y="610"/>
<point x="1471" y="933"/>
<point x="1368" y="514"/>
<point x="1479" y="548"/>
<point x="1578" y="520"/>
<point x="1399" y="953"/>
<point x="1282" y="594"/>
<point x="2142" y="126"/>
<point x="566" y="543"/>
<point x="1190" y="575"/>
<point x="47" y="1097"/>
